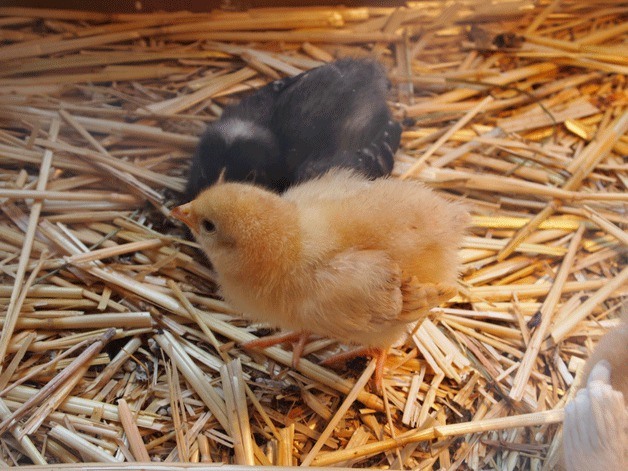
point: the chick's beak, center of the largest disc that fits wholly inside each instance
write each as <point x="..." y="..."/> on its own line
<point x="184" y="214"/>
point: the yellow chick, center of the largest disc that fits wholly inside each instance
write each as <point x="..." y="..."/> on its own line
<point x="339" y="256"/>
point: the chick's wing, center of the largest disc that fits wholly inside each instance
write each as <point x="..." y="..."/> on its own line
<point x="373" y="160"/>
<point x="361" y="297"/>
<point x="419" y="298"/>
<point x="354" y="291"/>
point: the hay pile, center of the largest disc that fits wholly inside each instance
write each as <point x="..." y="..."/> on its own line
<point x="114" y="347"/>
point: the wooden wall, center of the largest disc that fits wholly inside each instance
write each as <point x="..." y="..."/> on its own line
<point x="126" y="6"/>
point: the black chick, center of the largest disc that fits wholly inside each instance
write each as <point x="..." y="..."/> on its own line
<point x="297" y="128"/>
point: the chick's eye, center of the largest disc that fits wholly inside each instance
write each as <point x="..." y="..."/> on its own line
<point x="207" y="225"/>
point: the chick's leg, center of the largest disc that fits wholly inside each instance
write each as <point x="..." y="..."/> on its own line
<point x="380" y="354"/>
<point x="298" y="340"/>
<point x="297" y="349"/>
<point x="272" y="340"/>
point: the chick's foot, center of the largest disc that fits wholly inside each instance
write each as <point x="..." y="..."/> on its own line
<point x="297" y="339"/>
<point x="380" y="355"/>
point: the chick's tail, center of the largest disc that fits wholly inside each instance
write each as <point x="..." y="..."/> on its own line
<point x="418" y="298"/>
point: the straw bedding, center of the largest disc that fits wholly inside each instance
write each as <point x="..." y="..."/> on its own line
<point x="114" y="347"/>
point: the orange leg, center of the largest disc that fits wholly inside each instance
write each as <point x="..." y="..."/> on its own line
<point x="348" y="355"/>
<point x="298" y="340"/>
<point x="271" y="340"/>
<point x="297" y="349"/>
<point x="380" y="354"/>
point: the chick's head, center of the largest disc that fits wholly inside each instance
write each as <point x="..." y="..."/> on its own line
<point x="239" y="150"/>
<point x="242" y="227"/>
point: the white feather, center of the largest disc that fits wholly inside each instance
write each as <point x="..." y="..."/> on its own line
<point x="234" y="129"/>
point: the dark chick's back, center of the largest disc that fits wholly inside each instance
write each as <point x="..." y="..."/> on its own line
<point x="336" y="116"/>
